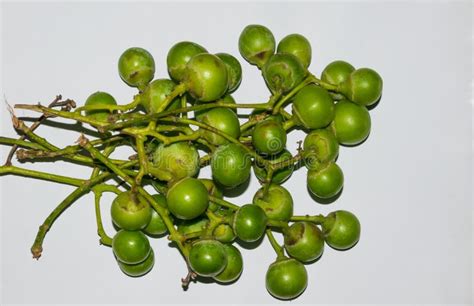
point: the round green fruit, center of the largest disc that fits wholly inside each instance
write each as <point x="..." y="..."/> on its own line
<point x="234" y="70"/>
<point x="320" y="147"/>
<point x="131" y="247"/>
<point x="138" y="269"/>
<point x="297" y="45"/>
<point x="283" y="72"/>
<point x="364" y="86"/>
<point x="234" y="267"/>
<point x="207" y="257"/>
<point x="304" y="241"/>
<point x="269" y="137"/>
<point x="351" y="123"/>
<point x="175" y="161"/>
<point x="157" y="226"/>
<point x="206" y="77"/>
<point x="99" y="98"/>
<point x="326" y="182"/>
<point x="313" y="107"/>
<point x="341" y="230"/>
<point x="337" y="72"/>
<point x="130" y="211"/>
<point x="281" y="174"/>
<point x="277" y="202"/>
<point x="230" y="165"/>
<point x="256" y="44"/>
<point x="179" y="55"/>
<point x="224" y="233"/>
<point x="223" y="119"/>
<point x="136" y="67"/>
<point x="156" y="93"/>
<point x="187" y="198"/>
<point x="286" y="279"/>
<point x="249" y="222"/>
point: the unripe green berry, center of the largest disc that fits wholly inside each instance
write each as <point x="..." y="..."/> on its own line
<point x="256" y="44"/>
<point x="179" y="55"/>
<point x="136" y="67"/>
<point x="297" y="45"/>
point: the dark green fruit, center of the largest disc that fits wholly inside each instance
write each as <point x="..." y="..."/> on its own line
<point x="155" y="95"/>
<point x="179" y="55"/>
<point x="313" y="107"/>
<point x="337" y="72"/>
<point x="206" y="77"/>
<point x="136" y="67"/>
<point x="304" y="241"/>
<point x="131" y="247"/>
<point x="326" y="182"/>
<point x="364" y="86"/>
<point x="138" y="269"/>
<point x="176" y="161"/>
<point x="320" y="147"/>
<point x="234" y="70"/>
<point x="99" y="98"/>
<point x="130" y="211"/>
<point x="207" y="257"/>
<point x="341" y="230"/>
<point x="351" y="123"/>
<point x="283" y="72"/>
<point x="223" y="119"/>
<point x="157" y="226"/>
<point x="277" y="202"/>
<point x="249" y="223"/>
<point x="256" y="44"/>
<point x="234" y="265"/>
<point x="286" y="279"/>
<point x="230" y="165"/>
<point x="297" y="45"/>
<point x="269" y="137"/>
<point x="188" y="198"/>
<point x="280" y="175"/>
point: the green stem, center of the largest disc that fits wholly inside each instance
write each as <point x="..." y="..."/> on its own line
<point x="288" y="124"/>
<point x="279" y="224"/>
<point x="318" y="219"/>
<point x="223" y="202"/>
<point x="40" y="175"/>
<point x="142" y="159"/>
<point x="98" y="191"/>
<point x="177" y="91"/>
<point x="20" y="143"/>
<point x="277" y="247"/>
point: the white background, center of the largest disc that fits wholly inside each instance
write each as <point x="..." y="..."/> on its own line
<point x="409" y="183"/>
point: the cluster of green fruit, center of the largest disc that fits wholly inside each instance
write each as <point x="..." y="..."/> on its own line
<point x="192" y="211"/>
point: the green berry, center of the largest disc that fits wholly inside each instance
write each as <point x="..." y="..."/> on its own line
<point x="364" y="86"/>
<point x="297" y="45"/>
<point x="283" y="72"/>
<point x="341" y="230"/>
<point x="351" y="123"/>
<point x="136" y="67"/>
<point x="99" y="98"/>
<point x="337" y="72"/>
<point x="313" y="107"/>
<point x="256" y="44"/>
<point x="179" y="55"/>
<point x="234" y="70"/>
<point x="327" y="182"/>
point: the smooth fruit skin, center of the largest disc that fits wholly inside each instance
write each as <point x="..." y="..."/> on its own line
<point x="283" y="72"/>
<point x="249" y="222"/>
<point x="313" y="107"/>
<point x="234" y="70"/>
<point x="131" y="247"/>
<point x="297" y="45"/>
<point x="351" y="123"/>
<point x="156" y="226"/>
<point x="223" y="119"/>
<point x="155" y="95"/>
<point x="224" y="233"/>
<point x="326" y="182"/>
<point x="304" y="241"/>
<point x="99" y="98"/>
<point x="320" y="147"/>
<point x="277" y="202"/>
<point x="286" y="279"/>
<point x="269" y="137"/>
<point x="179" y="55"/>
<point x="256" y="44"/>
<point x="130" y="211"/>
<point x="341" y="229"/>
<point x="280" y="175"/>
<point x="230" y="165"/>
<point x="138" y="269"/>
<point x="234" y="265"/>
<point x="207" y="257"/>
<point x="177" y="160"/>
<point x="136" y="67"/>
<point x="206" y="77"/>
<point x="337" y="72"/>
<point x="187" y="198"/>
<point x="364" y="86"/>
